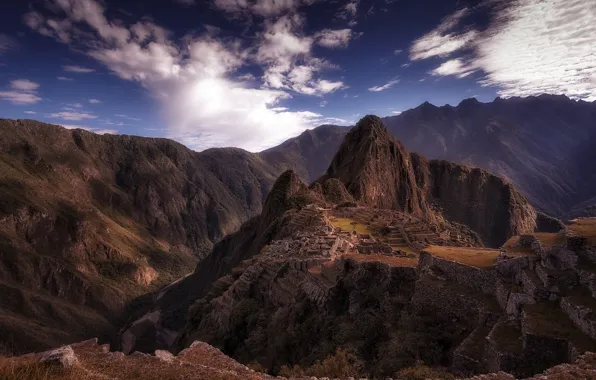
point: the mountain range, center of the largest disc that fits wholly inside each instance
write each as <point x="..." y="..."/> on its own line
<point x="92" y="222"/>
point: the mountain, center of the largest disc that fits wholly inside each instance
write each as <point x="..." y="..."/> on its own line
<point x="373" y="259"/>
<point x="539" y="144"/>
<point x="309" y="154"/>
<point x="379" y="172"/>
<point x="89" y="222"/>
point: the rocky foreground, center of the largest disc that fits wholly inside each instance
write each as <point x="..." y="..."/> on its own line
<point x="89" y="360"/>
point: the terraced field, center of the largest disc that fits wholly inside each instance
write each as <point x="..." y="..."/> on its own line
<point x="477" y="257"/>
<point x="585" y="227"/>
<point x="546" y="238"/>
<point x="349" y="225"/>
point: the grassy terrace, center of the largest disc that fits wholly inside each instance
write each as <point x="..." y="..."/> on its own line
<point x="585" y="227"/>
<point x="350" y="225"/>
<point x="390" y="260"/>
<point x="476" y="257"/>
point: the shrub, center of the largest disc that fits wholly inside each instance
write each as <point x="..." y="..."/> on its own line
<point x="290" y="372"/>
<point x="342" y="364"/>
<point x="422" y="372"/>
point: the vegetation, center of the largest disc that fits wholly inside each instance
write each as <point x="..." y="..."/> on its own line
<point x="585" y="227"/>
<point x="341" y="365"/>
<point x="350" y="225"/>
<point x="477" y="257"/>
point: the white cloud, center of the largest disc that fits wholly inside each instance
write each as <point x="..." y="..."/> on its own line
<point x="78" y="69"/>
<point x="442" y="41"/>
<point x="396" y="112"/>
<point x="30" y="112"/>
<point x="454" y="67"/>
<point x="74" y="105"/>
<point x="94" y="101"/>
<point x="334" y="38"/>
<point x="397" y="52"/>
<point x="384" y="87"/>
<point x="287" y="56"/>
<point x="64" y="78"/>
<point x="69" y="115"/>
<point x="24" y="85"/>
<point x="528" y="48"/>
<point x="323" y="103"/>
<point x="195" y="81"/>
<point x="404" y="65"/>
<point x="22" y="91"/>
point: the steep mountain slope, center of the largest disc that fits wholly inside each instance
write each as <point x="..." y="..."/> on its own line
<point x="88" y="222"/>
<point x="532" y="142"/>
<point x="308" y="154"/>
<point x="378" y="171"/>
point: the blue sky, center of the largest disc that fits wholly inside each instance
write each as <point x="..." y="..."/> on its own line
<point x="252" y="73"/>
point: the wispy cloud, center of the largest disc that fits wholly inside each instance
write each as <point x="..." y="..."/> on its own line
<point x="128" y="117"/>
<point x="64" y="78"/>
<point x="22" y="91"/>
<point x="30" y="112"/>
<point x="78" y="69"/>
<point x="73" y="116"/>
<point x="443" y="40"/>
<point x="384" y="87"/>
<point x="94" y="101"/>
<point x="528" y="48"/>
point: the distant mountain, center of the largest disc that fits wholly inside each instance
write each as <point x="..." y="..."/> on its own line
<point x="309" y="154"/>
<point x="540" y="144"/>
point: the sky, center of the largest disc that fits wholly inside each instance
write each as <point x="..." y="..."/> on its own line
<point x="253" y="73"/>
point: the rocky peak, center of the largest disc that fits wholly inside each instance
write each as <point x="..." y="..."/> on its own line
<point x="281" y="196"/>
<point x="376" y="169"/>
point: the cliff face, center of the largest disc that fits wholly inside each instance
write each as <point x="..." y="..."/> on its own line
<point x="378" y="171"/>
<point x="89" y="222"/>
<point x="478" y="199"/>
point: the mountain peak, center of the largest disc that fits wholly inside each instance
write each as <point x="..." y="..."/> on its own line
<point x="375" y="168"/>
<point x="468" y="102"/>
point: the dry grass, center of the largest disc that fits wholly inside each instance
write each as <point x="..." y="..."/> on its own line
<point x="476" y="257"/>
<point x="585" y="227"/>
<point x="390" y="260"/>
<point x="349" y="225"/>
<point x="31" y="369"/>
<point x="546" y="238"/>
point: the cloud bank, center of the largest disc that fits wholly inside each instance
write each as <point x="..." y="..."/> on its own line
<point x="196" y="79"/>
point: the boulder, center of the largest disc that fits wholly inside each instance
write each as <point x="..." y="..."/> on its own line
<point x="63" y="357"/>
